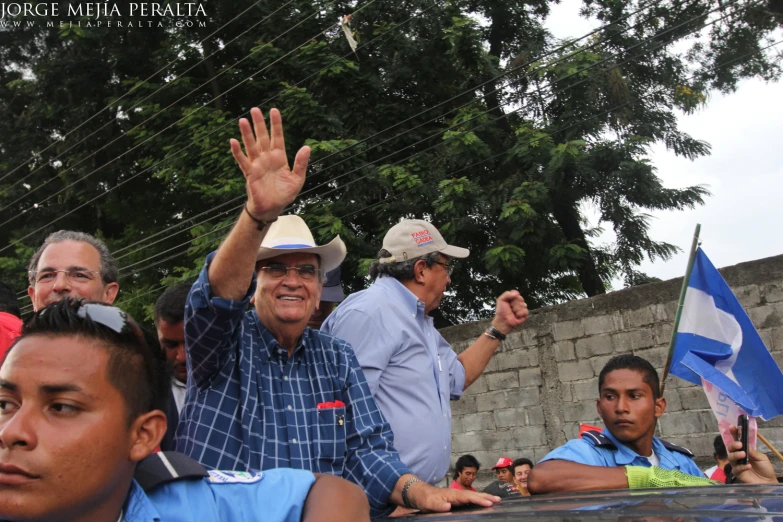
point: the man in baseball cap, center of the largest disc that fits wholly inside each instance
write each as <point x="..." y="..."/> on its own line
<point x="411" y="369"/>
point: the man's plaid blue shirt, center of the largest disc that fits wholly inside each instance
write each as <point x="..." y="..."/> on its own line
<point x="250" y="407"/>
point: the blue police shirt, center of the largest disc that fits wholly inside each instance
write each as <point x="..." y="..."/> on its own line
<point x="272" y="496"/>
<point x="585" y="451"/>
<point x="411" y="369"/>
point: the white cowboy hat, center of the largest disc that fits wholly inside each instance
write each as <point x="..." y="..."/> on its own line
<point x="289" y="234"/>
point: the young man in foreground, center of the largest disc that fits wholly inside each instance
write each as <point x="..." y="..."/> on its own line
<point x="81" y="396"/>
<point x="625" y="454"/>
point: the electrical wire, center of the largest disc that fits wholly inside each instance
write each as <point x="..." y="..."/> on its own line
<point x="654" y="36"/>
<point x="473" y="165"/>
<point x="132" y="90"/>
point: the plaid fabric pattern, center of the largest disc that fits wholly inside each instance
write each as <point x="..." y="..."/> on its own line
<point x="250" y="407"/>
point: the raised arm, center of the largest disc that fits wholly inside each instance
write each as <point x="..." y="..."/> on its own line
<point x="560" y="476"/>
<point x="271" y="186"/>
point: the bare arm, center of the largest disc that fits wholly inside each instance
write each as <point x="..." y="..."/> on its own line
<point x="271" y="186"/>
<point x="510" y="312"/>
<point x="562" y="476"/>
<point x="332" y="499"/>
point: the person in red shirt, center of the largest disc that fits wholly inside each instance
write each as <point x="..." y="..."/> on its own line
<point x="10" y="318"/>
<point x="722" y="458"/>
<point x="465" y="472"/>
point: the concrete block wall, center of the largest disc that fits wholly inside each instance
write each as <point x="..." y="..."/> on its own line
<point x="543" y="380"/>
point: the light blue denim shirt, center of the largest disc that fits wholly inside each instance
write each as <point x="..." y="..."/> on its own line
<point x="411" y="369"/>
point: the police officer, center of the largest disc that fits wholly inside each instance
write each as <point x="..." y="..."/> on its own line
<point x="629" y="403"/>
<point x="81" y="400"/>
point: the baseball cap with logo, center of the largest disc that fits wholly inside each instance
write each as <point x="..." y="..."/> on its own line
<point x="503" y="462"/>
<point x="412" y="238"/>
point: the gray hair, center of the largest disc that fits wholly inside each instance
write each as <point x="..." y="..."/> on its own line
<point x="403" y="270"/>
<point x="109" y="271"/>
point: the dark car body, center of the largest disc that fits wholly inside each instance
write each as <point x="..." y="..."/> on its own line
<point x="708" y="503"/>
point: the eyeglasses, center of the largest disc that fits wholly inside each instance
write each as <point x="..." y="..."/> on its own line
<point x="305" y="272"/>
<point x="74" y="276"/>
<point x="448" y="267"/>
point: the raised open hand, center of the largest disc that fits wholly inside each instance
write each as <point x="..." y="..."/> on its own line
<point x="271" y="185"/>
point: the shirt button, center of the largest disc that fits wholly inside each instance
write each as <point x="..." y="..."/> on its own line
<point x="289" y="407"/>
<point x="293" y="440"/>
<point x="285" y="377"/>
<point x="280" y="351"/>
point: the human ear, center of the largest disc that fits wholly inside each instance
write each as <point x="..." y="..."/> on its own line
<point x="110" y="292"/>
<point x="146" y="433"/>
<point x="660" y="407"/>
<point x="418" y="271"/>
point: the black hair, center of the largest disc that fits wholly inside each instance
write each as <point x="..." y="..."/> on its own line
<point x="465" y="461"/>
<point x="136" y="369"/>
<point x="170" y="306"/>
<point x="520" y="462"/>
<point x="8" y="301"/>
<point x="635" y="363"/>
<point x="720" y="448"/>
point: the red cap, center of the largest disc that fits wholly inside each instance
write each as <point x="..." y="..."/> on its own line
<point x="503" y="462"/>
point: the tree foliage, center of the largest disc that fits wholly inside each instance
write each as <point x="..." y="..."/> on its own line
<point x="466" y="112"/>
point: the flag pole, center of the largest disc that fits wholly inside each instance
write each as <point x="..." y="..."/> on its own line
<point x="680" y="304"/>
<point x="763" y="439"/>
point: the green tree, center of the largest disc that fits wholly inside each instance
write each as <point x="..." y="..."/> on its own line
<point x="467" y="113"/>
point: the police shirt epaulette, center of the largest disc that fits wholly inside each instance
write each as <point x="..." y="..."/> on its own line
<point x="598" y="439"/>
<point x="678" y="449"/>
<point x="167" y="466"/>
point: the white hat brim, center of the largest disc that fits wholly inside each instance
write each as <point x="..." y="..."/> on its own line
<point x="332" y="254"/>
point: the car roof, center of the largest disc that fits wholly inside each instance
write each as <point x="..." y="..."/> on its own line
<point x="707" y="503"/>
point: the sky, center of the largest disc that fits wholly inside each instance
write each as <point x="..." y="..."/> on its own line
<point x="744" y="173"/>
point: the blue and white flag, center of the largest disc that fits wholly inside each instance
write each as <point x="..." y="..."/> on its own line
<point x="717" y="342"/>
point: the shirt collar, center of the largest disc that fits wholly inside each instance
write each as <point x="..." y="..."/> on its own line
<point x="138" y="507"/>
<point x="409" y="300"/>
<point x="272" y="346"/>
<point x="178" y="383"/>
<point x="626" y="455"/>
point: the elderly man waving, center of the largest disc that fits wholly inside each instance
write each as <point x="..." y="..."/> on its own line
<point x="411" y="369"/>
<point x="267" y="391"/>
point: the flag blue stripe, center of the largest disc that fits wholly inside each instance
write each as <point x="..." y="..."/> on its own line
<point x="759" y="381"/>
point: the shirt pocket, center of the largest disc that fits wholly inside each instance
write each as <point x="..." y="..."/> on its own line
<point x="329" y="442"/>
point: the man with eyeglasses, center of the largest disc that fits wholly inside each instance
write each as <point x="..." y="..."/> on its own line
<point x="265" y="391"/>
<point x="72" y="264"/>
<point x="411" y="369"/>
<point x="81" y="400"/>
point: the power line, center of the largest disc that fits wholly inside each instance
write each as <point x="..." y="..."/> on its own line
<point x="180" y="152"/>
<point x="164" y="86"/>
<point x="321" y="160"/>
<point x="30" y="192"/>
<point x="132" y="90"/>
<point x="592" y="65"/>
<point x="474" y="129"/>
<point x="473" y="165"/>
